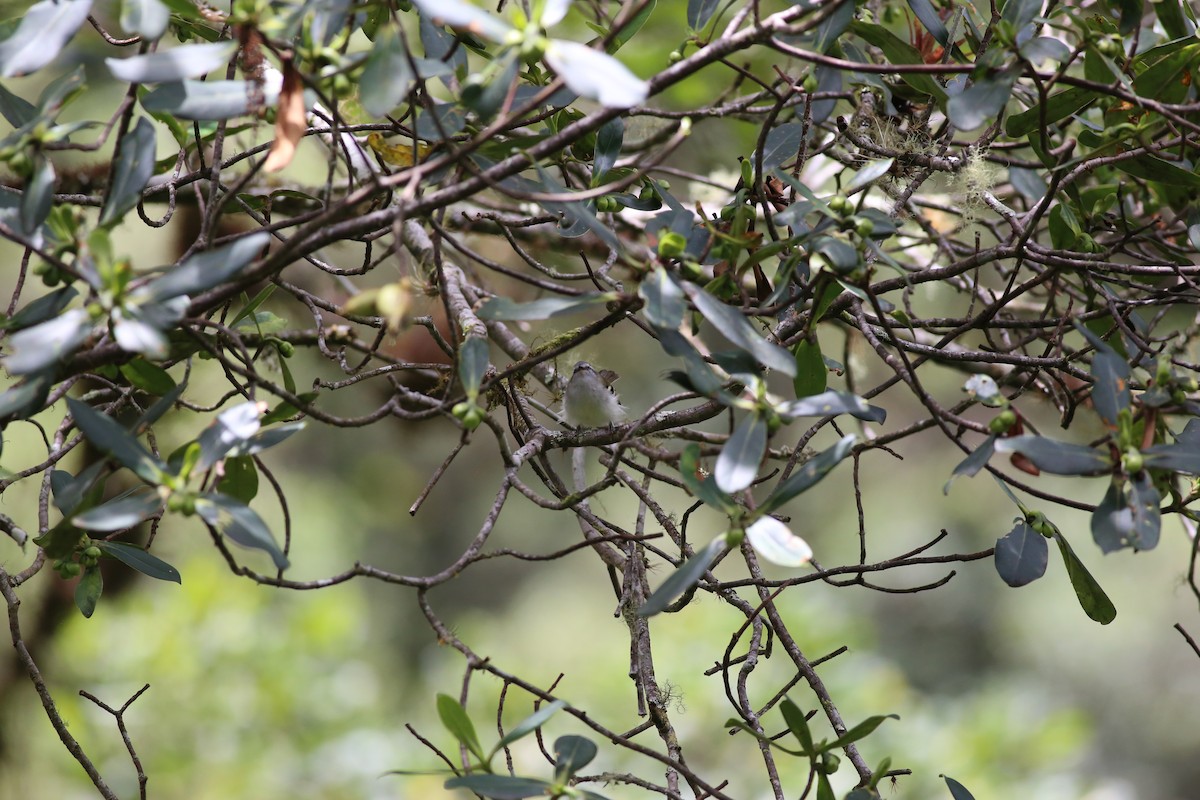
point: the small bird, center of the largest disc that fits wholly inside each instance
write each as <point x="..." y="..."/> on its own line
<point x="590" y="401"/>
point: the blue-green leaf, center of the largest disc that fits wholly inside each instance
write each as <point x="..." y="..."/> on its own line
<point x="146" y="563"/>
<point x="608" y="148"/>
<point x="1059" y="458"/>
<point x="1021" y="555"/>
<point x="87" y="591"/>
<point x="734" y="326"/>
<point x="797" y="724"/>
<point x="595" y="74"/>
<point x="976" y="461"/>
<point x="109" y="437"/>
<point x="982" y="102"/>
<point x="782" y="145"/>
<point x="740" y="458"/>
<point x="234" y="426"/>
<point x="828" y="404"/>
<point x="809" y="474"/>
<point x="500" y="787"/>
<point x="957" y="790"/>
<point x="685" y="577"/>
<point x="176" y="64"/>
<point x="135" y="166"/>
<point x="472" y="364"/>
<point x="571" y="754"/>
<point x="502" y="308"/>
<point x="240" y="524"/>
<point x="45" y="29"/>
<point x="387" y="77"/>
<point x="812" y="376"/>
<point x="702" y="487"/>
<point x="1128" y="517"/>
<point x="206" y="270"/>
<point x="699" y="12"/>
<point x="209" y="101"/>
<point x="464" y="16"/>
<point x="41" y="346"/>
<point x="120" y="513"/>
<point x="147" y="18"/>
<point x="664" y="305"/>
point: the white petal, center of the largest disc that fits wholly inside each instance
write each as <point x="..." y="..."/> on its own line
<point x="775" y="542"/>
<point x="554" y="12"/>
<point x="466" y="17"/>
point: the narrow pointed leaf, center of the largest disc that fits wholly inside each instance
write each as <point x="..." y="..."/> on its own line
<point x="147" y="18"/>
<point x="464" y="16"/>
<point x="972" y="464"/>
<point x="37" y="198"/>
<point x="109" y="437"/>
<point x="206" y="270"/>
<point x="743" y="453"/>
<point x="209" y="101"/>
<point x="146" y="563"/>
<point x="176" y="64"/>
<point x="1021" y="555"/>
<point x="502" y="308"/>
<point x="234" y="426"/>
<point x="45" y="307"/>
<point x="120" y="513"/>
<point x="608" y="148"/>
<point x="41" y="346"/>
<point x="797" y="724"/>
<point x="240" y="524"/>
<point x="1179" y="457"/>
<point x="957" y="790"/>
<point x="702" y="487"/>
<point x="809" y="474"/>
<point x="734" y="326"/>
<point x="685" y="577"/>
<point x="387" y="77"/>
<point x="595" y="74"/>
<point x="664" y="305"/>
<point x="472" y="364"/>
<point x="859" y="731"/>
<point x="811" y="374"/>
<point x="1059" y="458"/>
<point x="699" y="12"/>
<point x="828" y="404"/>
<point x="982" y="102"/>
<point x="45" y="29"/>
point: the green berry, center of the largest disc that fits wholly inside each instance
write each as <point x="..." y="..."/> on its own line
<point x="672" y="245"/>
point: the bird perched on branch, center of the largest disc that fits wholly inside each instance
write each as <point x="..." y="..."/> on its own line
<point x="590" y="401"/>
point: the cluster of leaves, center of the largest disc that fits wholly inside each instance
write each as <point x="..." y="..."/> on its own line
<point x="1068" y="233"/>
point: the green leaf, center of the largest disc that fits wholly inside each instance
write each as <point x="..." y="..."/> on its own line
<point x="25" y="399"/>
<point x="571" y="754"/>
<point x="1059" y="458"/>
<point x="859" y="731"/>
<point x="1092" y="598"/>
<point x="146" y="563"/>
<point x="454" y="718"/>
<point x="1021" y="555"/>
<point x="240" y="524"/>
<point x="17" y="111"/>
<point x="45" y="307"/>
<point x="472" y="364"/>
<point x="1020" y="13"/>
<point x="685" y="577"/>
<point x="529" y="724"/>
<point x="734" y="326"/>
<point x="924" y="11"/>
<point x="809" y="474"/>
<point x="824" y="790"/>
<point x="87" y="591"/>
<point x="1183" y="458"/>
<point x="797" y="724"/>
<point x="976" y="461"/>
<point x="60" y="541"/>
<point x="502" y="308"/>
<point x="500" y="787"/>
<point x="705" y="488"/>
<point x="870" y="172"/>
<point x="45" y="29"/>
<point x="176" y="64"/>
<point x="120" y="513"/>
<point x="957" y="790"/>
<point x="69" y="492"/>
<point x="206" y="270"/>
<point x="831" y="403"/>
<point x="1157" y="170"/>
<point x="664" y="306"/>
<point x="240" y="480"/>
<point x="150" y="378"/>
<point x="630" y="28"/>
<point x="109" y="437"/>
<point x="982" y="102"/>
<point x="741" y="456"/>
<point x="898" y="51"/>
<point x="464" y="16"/>
<point x="782" y="145"/>
<point x="811" y="375"/>
<point x="1057" y="106"/>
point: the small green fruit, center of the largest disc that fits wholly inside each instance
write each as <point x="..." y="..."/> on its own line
<point x="672" y="245"/>
<point x="864" y="227"/>
<point x="1003" y="422"/>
